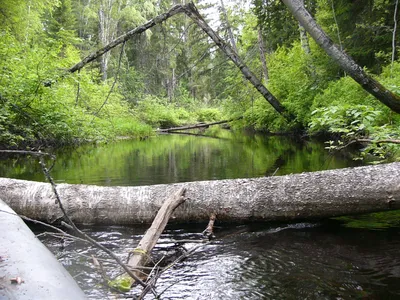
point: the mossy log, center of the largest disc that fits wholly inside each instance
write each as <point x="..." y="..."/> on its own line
<point x="302" y="196"/>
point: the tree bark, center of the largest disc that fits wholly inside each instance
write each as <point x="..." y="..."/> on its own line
<point x="281" y="198"/>
<point x="372" y="86"/>
<point x="104" y="37"/>
<point x="196" y="126"/>
<point x="228" y="27"/>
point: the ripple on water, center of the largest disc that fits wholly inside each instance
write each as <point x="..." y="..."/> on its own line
<point x="300" y="261"/>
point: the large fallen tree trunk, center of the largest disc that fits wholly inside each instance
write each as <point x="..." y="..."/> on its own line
<point x="290" y="197"/>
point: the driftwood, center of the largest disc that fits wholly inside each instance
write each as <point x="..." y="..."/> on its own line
<point x="196" y="126"/>
<point x="141" y="253"/>
<point x="278" y="198"/>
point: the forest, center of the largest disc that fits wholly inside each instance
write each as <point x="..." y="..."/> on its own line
<point x="173" y="74"/>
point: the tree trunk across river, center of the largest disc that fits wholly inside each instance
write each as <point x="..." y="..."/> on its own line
<point x="313" y="195"/>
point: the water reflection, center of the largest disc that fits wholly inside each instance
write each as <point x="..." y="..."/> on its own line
<point x="297" y="261"/>
<point x="305" y="261"/>
<point x="179" y="158"/>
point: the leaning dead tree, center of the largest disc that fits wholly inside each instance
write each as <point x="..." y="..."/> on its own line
<point x="369" y="84"/>
<point x="191" y="11"/>
<point x="280" y="198"/>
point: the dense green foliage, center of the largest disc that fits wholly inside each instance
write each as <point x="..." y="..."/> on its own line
<point x="41" y="103"/>
<point x="173" y="75"/>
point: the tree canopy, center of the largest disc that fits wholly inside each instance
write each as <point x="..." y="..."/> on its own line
<point x="173" y="74"/>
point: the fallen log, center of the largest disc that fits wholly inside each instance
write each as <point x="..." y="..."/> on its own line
<point x="279" y="198"/>
<point x="197" y="126"/>
<point x="28" y="270"/>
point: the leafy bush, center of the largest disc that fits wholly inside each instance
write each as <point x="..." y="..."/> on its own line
<point x="291" y="81"/>
<point x="354" y="122"/>
<point x="38" y="104"/>
<point x="158" y="112"/>
<point x="208" y="115"/>
<point x="344" y="91"/>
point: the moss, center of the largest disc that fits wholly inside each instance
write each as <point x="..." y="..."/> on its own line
<point x="121" y="283"/>
<point x="375" y="221"/>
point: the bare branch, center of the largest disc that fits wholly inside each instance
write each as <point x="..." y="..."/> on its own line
<point x="371" y="141"/>
<point x="81" y="233"/>
<point x="37" y="153"/>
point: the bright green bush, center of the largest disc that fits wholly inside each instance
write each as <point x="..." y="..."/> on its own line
<point x="291" y="81"/>
<point x="208" y="115"/>
<point x="353" y="122"/>
<point x="39" y="104"/>
<point x="344" y="91"/>
<point x="158" y="112"/>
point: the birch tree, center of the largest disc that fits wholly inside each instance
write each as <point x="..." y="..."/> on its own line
<point x="372" y="86"/>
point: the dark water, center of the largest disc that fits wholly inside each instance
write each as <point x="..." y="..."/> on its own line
<point x="256" y="261"/>
<point x="324" y="260"/>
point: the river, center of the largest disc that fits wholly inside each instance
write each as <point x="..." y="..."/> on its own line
<point x="347" y="258"/>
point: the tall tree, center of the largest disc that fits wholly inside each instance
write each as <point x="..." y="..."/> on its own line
<point x="261" y="47"/>
<point x="303" y="37"/>
<point x="62" y="23"/>
<point x="107" y="31"/>
<point x="228" y="27"/>
<point x="345" y="61"/>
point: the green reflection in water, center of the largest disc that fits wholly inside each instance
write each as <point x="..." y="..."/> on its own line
<point x="179" y="158"/>
<point x="375" y="221"/>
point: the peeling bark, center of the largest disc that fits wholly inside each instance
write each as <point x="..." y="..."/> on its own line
<point x="281" y="198"/>
<point x="369" y="84"/>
